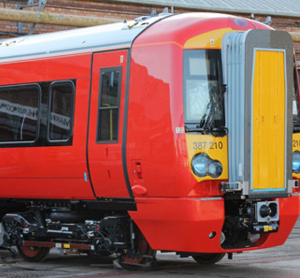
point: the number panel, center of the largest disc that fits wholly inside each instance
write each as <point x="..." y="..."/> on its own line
<point x="215" y="147"/>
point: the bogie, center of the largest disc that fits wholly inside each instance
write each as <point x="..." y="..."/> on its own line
<point x="38" y="229"/>
<point x="141" y="255"/>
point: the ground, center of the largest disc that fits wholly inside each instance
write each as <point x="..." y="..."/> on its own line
<point x="278" y="262"/>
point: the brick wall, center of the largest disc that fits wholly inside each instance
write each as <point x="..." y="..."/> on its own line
<point x="111" y="9"/>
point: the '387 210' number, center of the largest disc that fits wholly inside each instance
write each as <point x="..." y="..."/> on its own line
<point x="208" y="145"/>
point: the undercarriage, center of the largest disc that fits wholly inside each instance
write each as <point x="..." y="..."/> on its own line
<point x="37" y="229"/>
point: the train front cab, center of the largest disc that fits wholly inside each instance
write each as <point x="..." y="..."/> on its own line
<point x="223" y="179"/>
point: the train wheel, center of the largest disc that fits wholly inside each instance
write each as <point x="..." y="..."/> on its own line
<point x="33" y="254"/>
<point x="208" y="258"/>
<point x="143" y="255"/>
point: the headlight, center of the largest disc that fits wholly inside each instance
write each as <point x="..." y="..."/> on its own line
<point x="296" y="162"/>
<point x="203" y="165"/>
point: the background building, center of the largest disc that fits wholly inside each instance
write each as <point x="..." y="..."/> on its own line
<point x="278" y="14"/>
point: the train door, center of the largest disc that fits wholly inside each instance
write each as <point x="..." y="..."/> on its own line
<point x="106" y="124"/>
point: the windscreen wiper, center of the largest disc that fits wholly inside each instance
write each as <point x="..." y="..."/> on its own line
<point x="221" y="130"/>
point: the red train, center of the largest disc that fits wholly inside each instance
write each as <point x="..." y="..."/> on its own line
<point x="171" y="132"/>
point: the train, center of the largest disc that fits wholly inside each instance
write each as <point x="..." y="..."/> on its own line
<point x="171" y="132"/>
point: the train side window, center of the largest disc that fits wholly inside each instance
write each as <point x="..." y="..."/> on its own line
<point x="109" y="98"/>
<point x="19" y="116"/>
<point x="61" y="107"/>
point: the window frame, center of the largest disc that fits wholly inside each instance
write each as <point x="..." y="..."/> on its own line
<point x="37" y="134"/>
<point x="100" y="108"/>
<point x="50" y="90"/>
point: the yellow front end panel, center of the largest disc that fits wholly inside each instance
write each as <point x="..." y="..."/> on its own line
<point x="268" y="132"/>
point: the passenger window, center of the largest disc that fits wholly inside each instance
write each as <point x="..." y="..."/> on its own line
<point x="19" y="106"/>
<point x="61" y="104"/>
<point x="108" y="114"/>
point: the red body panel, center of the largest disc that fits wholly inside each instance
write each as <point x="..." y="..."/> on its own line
<point x="186" y="224"/>
<point x="154" y="114"/>
<point x="49" y="172"/>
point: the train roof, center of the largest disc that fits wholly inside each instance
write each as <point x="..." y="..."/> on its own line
<point x="104" y="37"/>
<point x="96" y="38"/>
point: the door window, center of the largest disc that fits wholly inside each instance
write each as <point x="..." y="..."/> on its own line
<point x="108" y="114"/>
